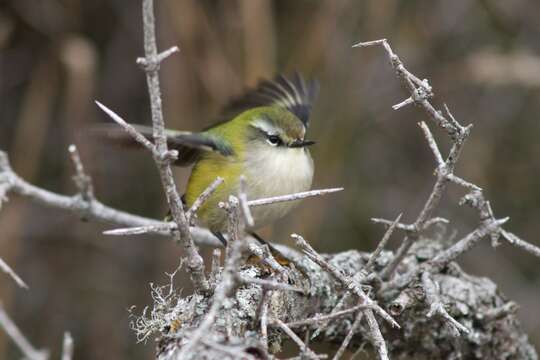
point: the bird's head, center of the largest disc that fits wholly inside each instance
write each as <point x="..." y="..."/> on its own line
<point x="275" y="127"/>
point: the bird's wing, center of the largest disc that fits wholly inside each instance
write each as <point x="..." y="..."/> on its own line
<point x="294" y="94"/>
<point x="190" y="146"/>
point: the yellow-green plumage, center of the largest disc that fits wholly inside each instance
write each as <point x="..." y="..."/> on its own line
<point x="261" y="137"/>
<point x="237" y="135"/>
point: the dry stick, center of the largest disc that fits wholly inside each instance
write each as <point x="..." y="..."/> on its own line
<point x="228" y="283"/>
<point x="322" y="318"/>
<point x="303" y="348"/>
<point x="292" y="197"/>
<point x="242" y="197"/>
<point x="421" y="91"/>
<point x="262" y="252"/>
<point x="269" y="284"/>
<point x="221" y="293"/>
<point x="350" y="284"/>
<point x="215" y="265"/>
<point x="264" y="309"/>
<point x="137" y="136"/>
<point x="8" y="270"/>
<point x="446" y="256"/>
<point x="82" y="180"/>
<point x="18" y="338"/>
<point x="516" y="241"/>
<point x="410" y="227"/>
<point x="67" y="346"/>
<point x="335" y="310"/>
<point x="90" y="209"/>
<point x="170" y="227"/>
<point x="348" y="338"/>
<point x="375" y="255"/>
<point x="162" y="156"/>
<point x="203" y="197"/>
<point x="436" y="307"/>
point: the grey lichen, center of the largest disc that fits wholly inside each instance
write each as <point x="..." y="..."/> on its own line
<point x="468" y="299"/>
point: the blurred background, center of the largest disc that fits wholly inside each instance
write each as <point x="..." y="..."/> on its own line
<point x="57" y="56"/>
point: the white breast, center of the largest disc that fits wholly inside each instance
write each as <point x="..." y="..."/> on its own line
<point x="274" y="171"/>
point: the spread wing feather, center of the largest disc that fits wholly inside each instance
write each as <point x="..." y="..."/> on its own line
<point x="190" y="146"/>
<point x="294" y="94"/>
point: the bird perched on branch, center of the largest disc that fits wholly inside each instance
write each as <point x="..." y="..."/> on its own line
<point x="262" y="138"/>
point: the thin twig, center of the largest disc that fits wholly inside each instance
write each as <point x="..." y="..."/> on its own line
<point x="332" y="316"/>
<point x="19" y="339"/>
<point x="355" y="325"/>
<point x="223" y="289"/>
<point x="269" y="284"/>
<point x="292" y="197"/>
<point x="67" y="346"/>
<point x="374" y="256"/>
<point x="171" y="227"/>
<point x="264" y="309"/>
<point x="303" y="348"/>
<point x="82" y="180"/>
<point x="203" y="197"/>
<point x="349" y="283"/>
<point x="92" y="209"/>
<point x="436" y="307"/>
<point x="8" y="270"/>
<point x="162" y="156"/>
<point x="140" y="138"/>
<point x="516" y="241"/>
<point x="242" y="197"/>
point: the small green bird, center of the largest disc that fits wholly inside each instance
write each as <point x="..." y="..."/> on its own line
<point x="262" y="138"/>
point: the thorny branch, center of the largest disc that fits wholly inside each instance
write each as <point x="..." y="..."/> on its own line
<point x="18" y="338"/>
<point x="8" y="270"/>
<point x="367" y="286"/>
<point x="163" y="157"/>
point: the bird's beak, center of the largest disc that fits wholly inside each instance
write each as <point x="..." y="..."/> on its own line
<point x="301" y="143"/>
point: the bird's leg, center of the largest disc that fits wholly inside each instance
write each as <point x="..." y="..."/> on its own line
<point x="280" y="258"/>
<point x="220" y="237"/>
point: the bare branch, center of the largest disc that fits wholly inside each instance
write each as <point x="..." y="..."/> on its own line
<point x="265" y="304"/>
<point x="82" y="180"/>
<point x="242" y="197"/>
<point x="332" y="316"/>
<point x="8" y="270"/>
<point x="292" y="197"/>
<point x="92" y="209"/>
<point x="303" y="348"/>
<point x="382" y="243"/>
<point x="516" y="241"/>
<point x="354" y="327"/>
<point x="19" y="339"/>
<point x="224" y="288"/>
<point x="203" y="197"/>
<point x="67" y="346"/>
<point x="269" y="285"/>
<point x="162" y="156"/>
<point x="349" y="283"/>
<point x="140" y="138"/>
<point x="436" y="307"/>
<point x="159" y="59"/>
<point x="432" y="143"/>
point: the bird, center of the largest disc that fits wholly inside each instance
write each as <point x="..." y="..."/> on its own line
<point x="260" y="136"/>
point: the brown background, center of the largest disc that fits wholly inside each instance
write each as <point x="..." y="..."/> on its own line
<point x="56" y="57"/>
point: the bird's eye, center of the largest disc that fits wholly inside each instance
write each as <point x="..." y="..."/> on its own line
<point x="274" y="140"/>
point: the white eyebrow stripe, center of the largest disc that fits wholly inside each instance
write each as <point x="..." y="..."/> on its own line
<point x="265" y="126"/>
